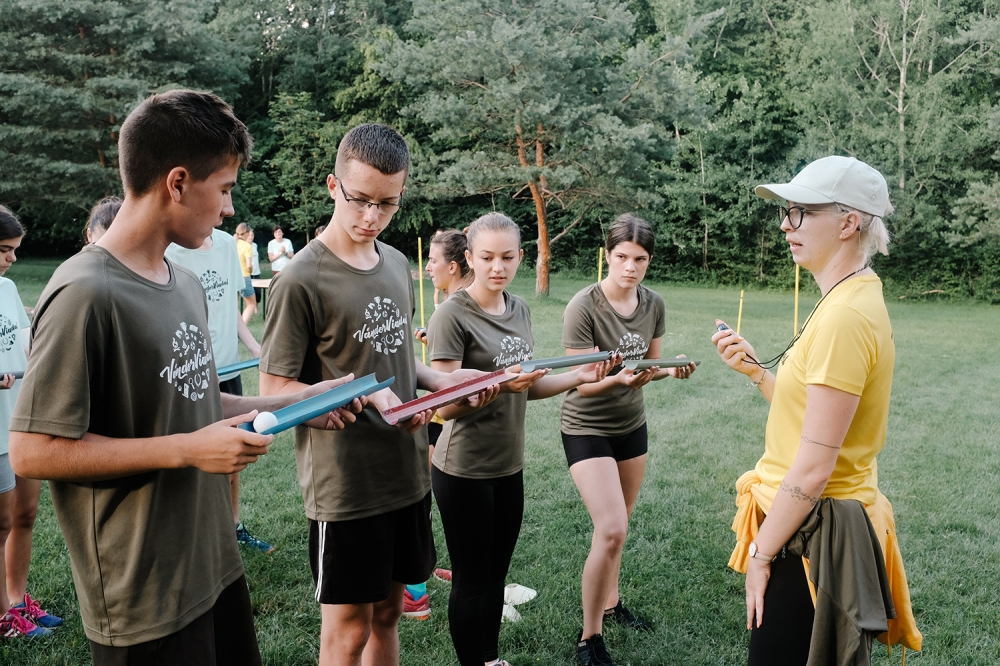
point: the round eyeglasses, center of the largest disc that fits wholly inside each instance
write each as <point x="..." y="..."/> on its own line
<point x="362" y="205"/>
<point x="795" y="214"/>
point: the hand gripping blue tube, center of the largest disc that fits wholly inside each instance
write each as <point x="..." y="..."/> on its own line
<point x="310" y="408"/>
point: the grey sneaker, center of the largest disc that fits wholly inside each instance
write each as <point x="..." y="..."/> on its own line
<point x="244" y="538"/>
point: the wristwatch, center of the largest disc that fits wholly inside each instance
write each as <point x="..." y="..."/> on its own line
<point x="757" y="555"/>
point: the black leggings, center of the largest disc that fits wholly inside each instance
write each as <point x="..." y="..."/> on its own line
<point x="482" y="520"/>
<point x="784" y="636"/>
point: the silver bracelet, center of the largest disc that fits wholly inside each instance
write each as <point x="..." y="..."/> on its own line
<point x="762" y="378"/>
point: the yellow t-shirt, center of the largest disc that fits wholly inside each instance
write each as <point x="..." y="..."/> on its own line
<point x="848" y="346"/>
<point x="245" y="251"/>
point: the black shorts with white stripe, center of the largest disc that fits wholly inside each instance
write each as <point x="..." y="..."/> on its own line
<point x="356" y="561"/>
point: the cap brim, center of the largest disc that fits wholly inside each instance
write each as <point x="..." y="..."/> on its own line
<point x="792" y="192"/>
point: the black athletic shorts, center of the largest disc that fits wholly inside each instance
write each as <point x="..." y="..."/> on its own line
<point x="232" y="386"/>
<point x="356" y="561"/>
<point x="433" y="432"/>
<point x="623" y="447"/>
<point x="222" y="636"/>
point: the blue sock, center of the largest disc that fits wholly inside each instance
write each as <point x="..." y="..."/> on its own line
<point x="417" y="591"/>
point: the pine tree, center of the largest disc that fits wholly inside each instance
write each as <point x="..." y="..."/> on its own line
<point x="70" y="71"/>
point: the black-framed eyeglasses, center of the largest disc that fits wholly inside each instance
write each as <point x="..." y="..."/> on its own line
<point x="362" y="205"/>
<point x="795" y="214"/>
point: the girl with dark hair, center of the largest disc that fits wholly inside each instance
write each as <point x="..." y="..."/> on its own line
<point x="477" y="465"/>
<point x="21" y="615"/>
<point x="448" y="262"/>
<point x="447" y="267"/>
<point x="604" y="423"/>
<point x="101" y="216"/>
<point x="449" y="272"/>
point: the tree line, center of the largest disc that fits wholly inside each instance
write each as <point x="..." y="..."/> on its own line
<point x="561" y="113"/>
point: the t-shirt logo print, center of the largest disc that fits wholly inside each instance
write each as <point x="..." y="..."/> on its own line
<point x="513" y="349"/>
<point x="385" y="326"/>
<point x="214" y="285"/>
<point x="8" y="333"/>
<point x="632" y="345"/>
<point x="191" y="364"/>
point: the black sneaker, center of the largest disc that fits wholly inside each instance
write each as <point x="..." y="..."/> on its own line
<point x="591" y="652"/>
<point x="624" y="617"/>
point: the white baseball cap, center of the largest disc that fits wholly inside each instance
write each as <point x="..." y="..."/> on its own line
<point x="834" y="179"/>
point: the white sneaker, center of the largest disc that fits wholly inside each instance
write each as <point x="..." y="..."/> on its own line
<point x="510" y="614"/>
<point x="515" y="594"/>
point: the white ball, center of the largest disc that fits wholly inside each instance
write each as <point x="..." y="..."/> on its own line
<point x="264" y="421"/>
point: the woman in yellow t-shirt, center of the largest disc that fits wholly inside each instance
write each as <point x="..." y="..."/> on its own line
<point x="245" y="250"/>
<point x="827" y="421"/>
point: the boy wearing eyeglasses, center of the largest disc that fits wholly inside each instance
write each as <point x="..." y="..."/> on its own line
<point x="345" y="305"/>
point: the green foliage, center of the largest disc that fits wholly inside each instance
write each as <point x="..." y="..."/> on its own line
<point x="909" y="95"/>
<point x="909" y="87"/>
<point x="300" y="166"/>
<point x="553" y="97"/>
<point x="674" y="109"/>
<point x="70" y="71"/>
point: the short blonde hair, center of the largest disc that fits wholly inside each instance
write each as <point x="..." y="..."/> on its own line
<point x="872" y="232"/>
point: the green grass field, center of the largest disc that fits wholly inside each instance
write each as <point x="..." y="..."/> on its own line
<point x="940" y="468"/>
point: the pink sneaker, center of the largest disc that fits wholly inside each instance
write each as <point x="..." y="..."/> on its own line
<point x="30" y="609"/>
<point x="14" y="625"/>
<point x="443" y="575"/>
<point x="417" y="609"/>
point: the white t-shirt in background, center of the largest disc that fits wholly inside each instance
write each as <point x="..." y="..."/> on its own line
<point x="255" y="269"/>
<point x="275" y="246"/>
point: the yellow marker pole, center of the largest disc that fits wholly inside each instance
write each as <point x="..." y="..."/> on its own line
<point x="796" y="324"/>
<point x="600" y="263"/>
<point x="739" y="317"/>
<point x="420" y="270"/>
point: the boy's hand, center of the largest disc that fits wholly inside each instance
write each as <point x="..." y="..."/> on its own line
<point x="8" y="381"/>
<point x="222" y="448"/>
<point x="386" y="399"/>
<point x="339" y="418"/>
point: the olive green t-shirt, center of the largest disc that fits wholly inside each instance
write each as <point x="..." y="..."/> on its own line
<point x="117" y="355"/>
<point x="589" y="321"/>
<point x="489" y="443"/>
<point x="326" y="319"/>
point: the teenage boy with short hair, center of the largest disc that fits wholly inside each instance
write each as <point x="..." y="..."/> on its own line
<point x="345" y="305"/>
<point x="120" y="405"/>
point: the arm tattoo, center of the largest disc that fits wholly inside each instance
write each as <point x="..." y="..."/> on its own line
<point x="798" y="494"/>
<point x="813" y="441"/>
